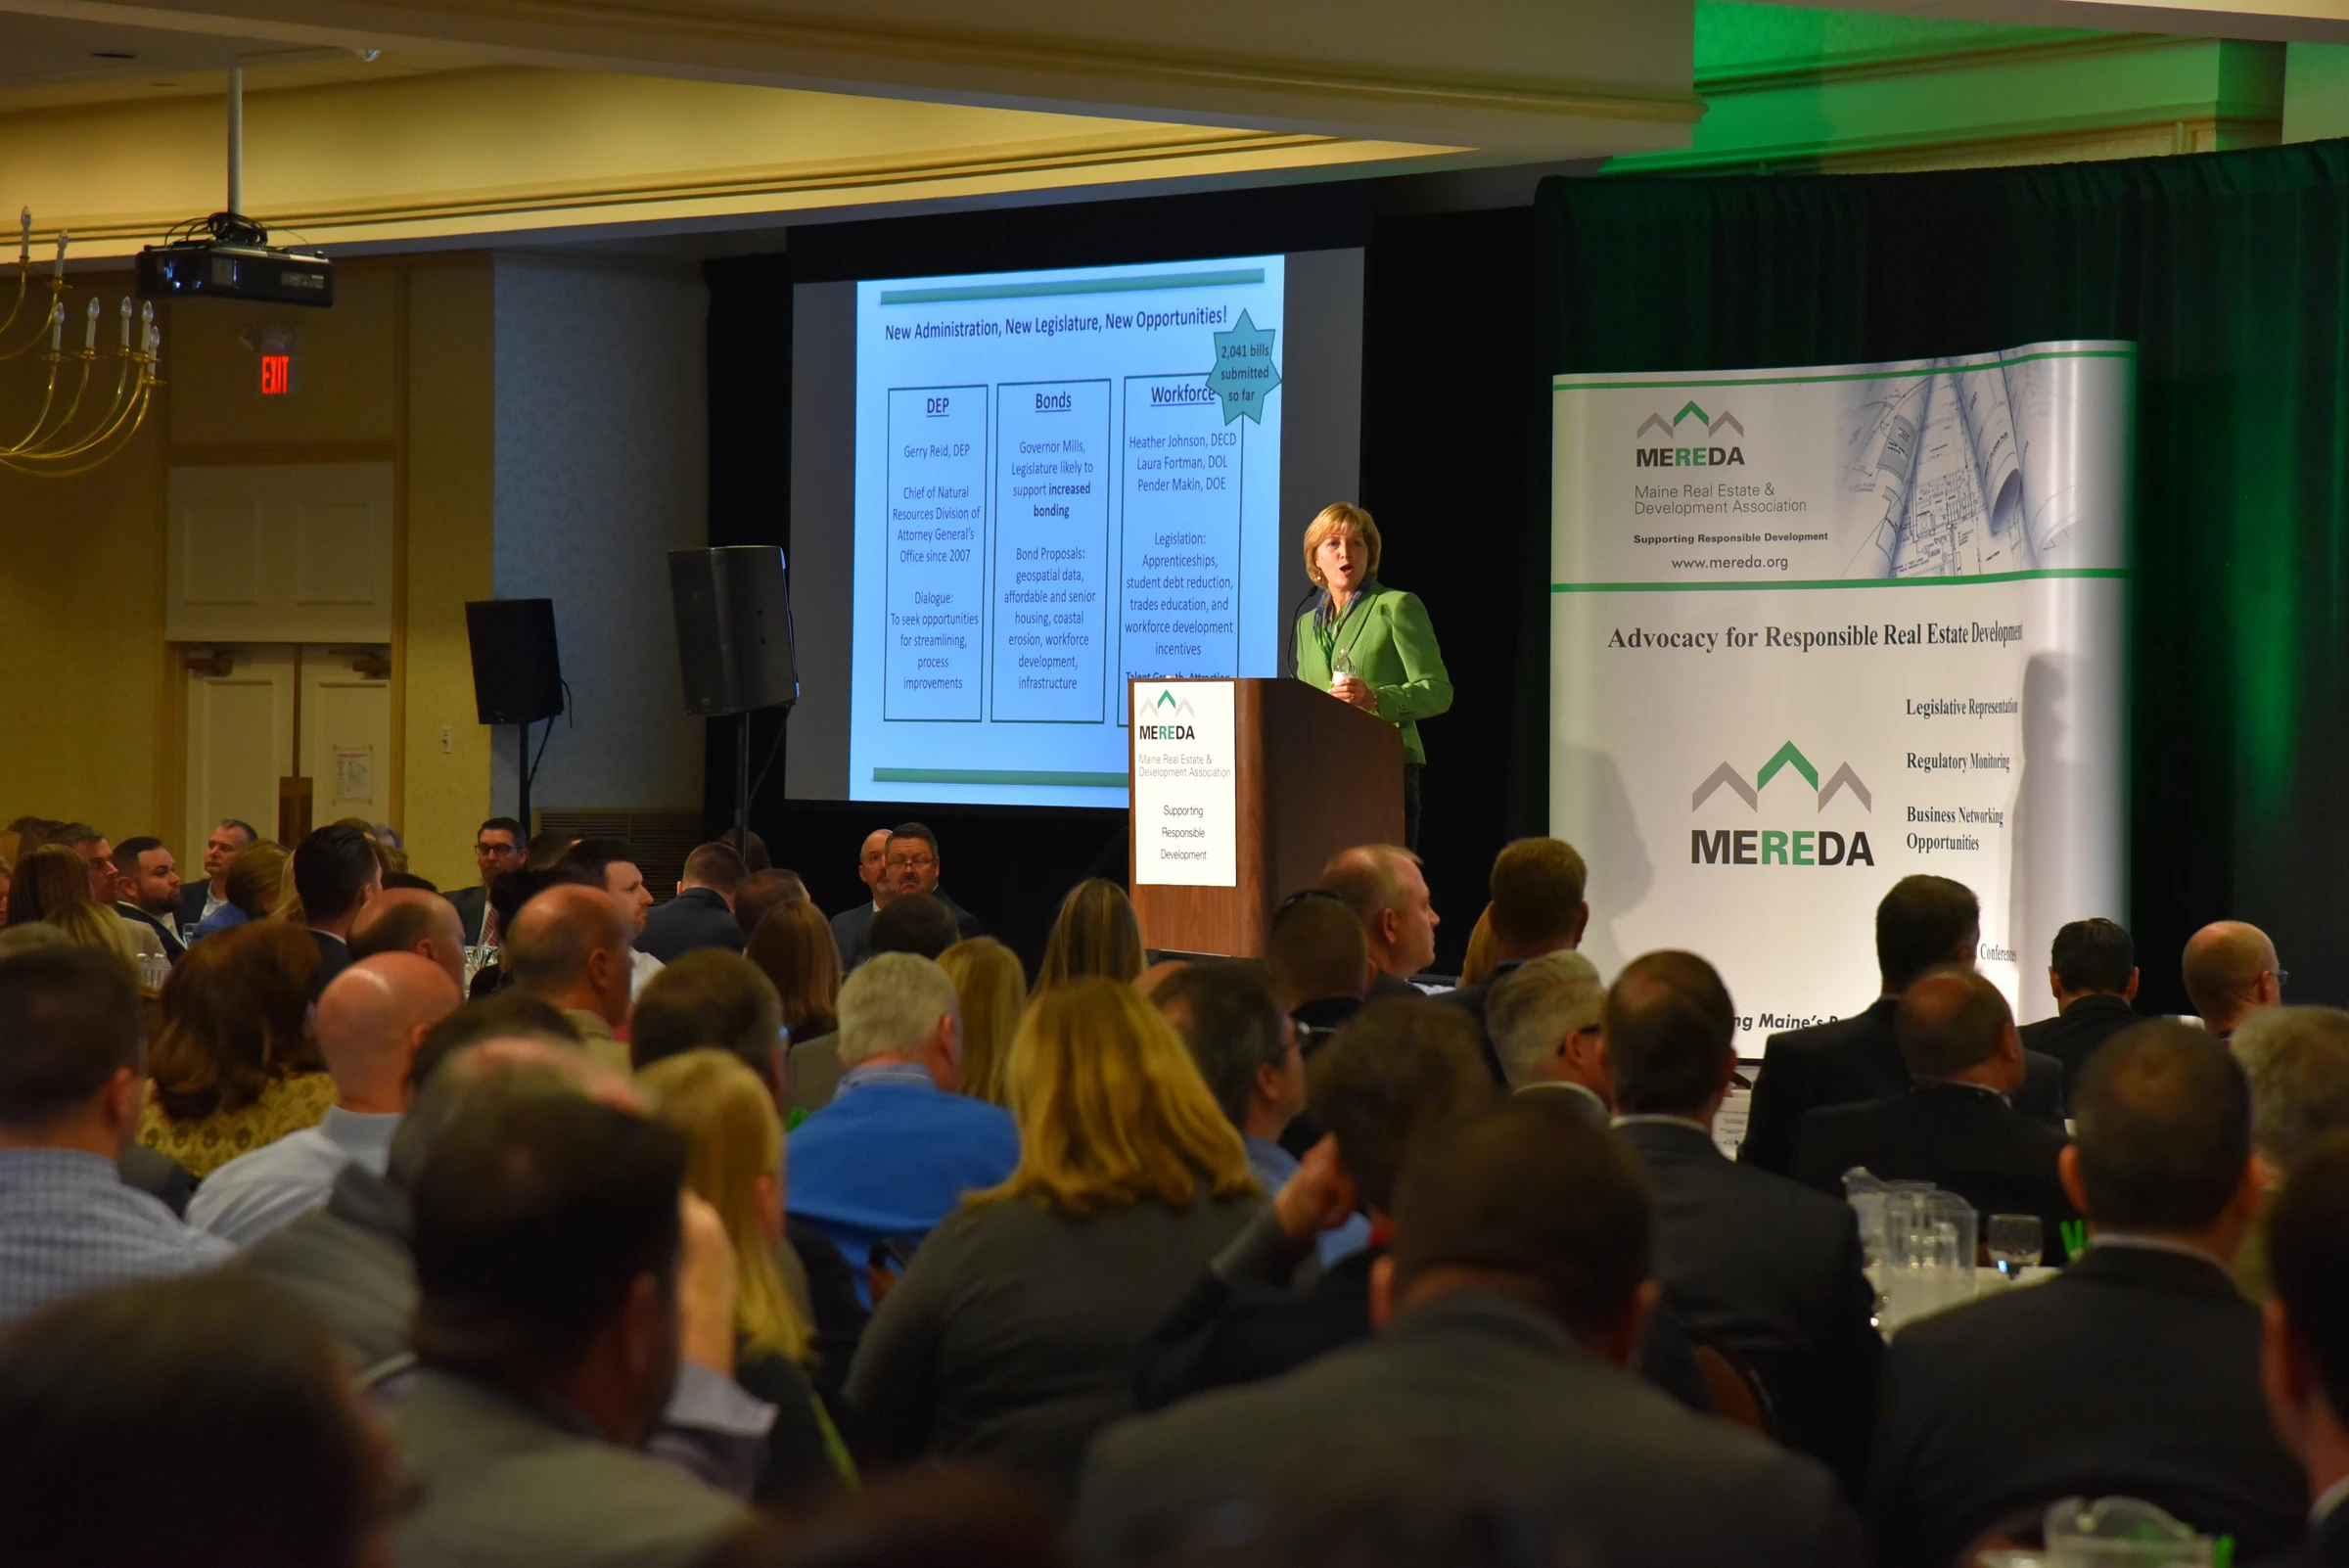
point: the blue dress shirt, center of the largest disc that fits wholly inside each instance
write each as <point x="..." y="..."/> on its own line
<point x="1273" y="1166"/>
<point x="255" y="1193"/>
<point x="68" y="1227"/>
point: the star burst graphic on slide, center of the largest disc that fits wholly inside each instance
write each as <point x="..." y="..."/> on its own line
<point x="1244" y="373"/>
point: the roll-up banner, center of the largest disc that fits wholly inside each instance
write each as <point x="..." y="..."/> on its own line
<point x="1813" y="630"/>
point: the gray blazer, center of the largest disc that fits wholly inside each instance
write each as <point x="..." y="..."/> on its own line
<point x="1012" y="1338"/>
<point x="815" y="1072"/>
<point x="1472" y="1400"/>
<point x="509" y="1485"/>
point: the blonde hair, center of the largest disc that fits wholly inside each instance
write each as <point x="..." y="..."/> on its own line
<point x="90" y="924"/>
<point x="1096" y="932"/>
<point x="734" y="1137"/>
<point x="1111" y="1108"/>
<point x="1483" y="949"/>
<point x="993" y="989"/>
<point x="1340" y="517"/>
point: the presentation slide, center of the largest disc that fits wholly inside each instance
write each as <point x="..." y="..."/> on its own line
<point x="1063" y="478"/>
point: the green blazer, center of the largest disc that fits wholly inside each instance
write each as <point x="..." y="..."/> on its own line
<point x="1394" y="648"/>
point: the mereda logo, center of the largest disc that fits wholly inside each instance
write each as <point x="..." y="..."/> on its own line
<point x="1707" y="427"/>
<point x="1167" y="714"/>
<point x="1791" y="847"/>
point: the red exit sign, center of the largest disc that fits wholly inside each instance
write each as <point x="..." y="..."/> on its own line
<point x="277" y="375"/>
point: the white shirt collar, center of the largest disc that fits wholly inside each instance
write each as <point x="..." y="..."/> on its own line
<point x="2329" y="1500"/>
<point x="2123" y="1238"/>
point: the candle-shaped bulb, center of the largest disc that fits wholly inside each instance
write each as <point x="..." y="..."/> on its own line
<point x="59" y="272"/>
<point x="57" y="326"/>
<point x="89" y="327"/>
<point x="25" y="237"/>
<point x="125" y="324"/>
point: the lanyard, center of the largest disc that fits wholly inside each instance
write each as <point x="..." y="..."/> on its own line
<point x="1328" y="639"/>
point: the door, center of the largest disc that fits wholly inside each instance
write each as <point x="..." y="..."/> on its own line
<point x="240" y="735"/>
<point x="345" y="730"/>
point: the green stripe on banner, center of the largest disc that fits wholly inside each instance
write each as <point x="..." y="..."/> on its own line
<point x="1563" y="384"/>
<point x="993" y="775"/>
<point x="1069" y="286"/>
<point x="1749" y="586"/>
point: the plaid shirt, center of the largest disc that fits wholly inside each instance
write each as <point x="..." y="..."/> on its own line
<point x="68" y="1227"/>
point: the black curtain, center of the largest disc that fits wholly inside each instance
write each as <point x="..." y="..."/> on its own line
<point x="2230" y="271"/>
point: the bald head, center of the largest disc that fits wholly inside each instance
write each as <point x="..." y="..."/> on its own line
<point x="2230" y="971"/>
<point x="570" y="945"/>
<point x="370" y="1020"/>
<point x="412" y="920"/>
<point x="1384" y="887"/>
<point x="495" y="1071"/>
<point x="1953" y="1025"/>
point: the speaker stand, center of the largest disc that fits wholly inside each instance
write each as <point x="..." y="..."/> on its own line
<point x="521" y="772"/>
<point x="742" y="784"/>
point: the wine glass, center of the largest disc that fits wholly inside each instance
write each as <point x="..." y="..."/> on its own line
<point x="2015" y="1240"/>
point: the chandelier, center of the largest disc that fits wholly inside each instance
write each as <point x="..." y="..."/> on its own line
<point x="63" y="439"/>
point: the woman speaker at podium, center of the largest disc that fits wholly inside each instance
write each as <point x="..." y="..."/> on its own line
<point x="1367" y="645"/>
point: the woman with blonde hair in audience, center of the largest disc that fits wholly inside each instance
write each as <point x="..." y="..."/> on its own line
<point x="1010" y="1340"/>
<point x="1484" y="950"/>
<point x="1096" y="933"/>
<point x="255" y="881"/>
<point x="233" y="1066"/>
<point x="735" y="1163"/>
<point x="992" y="988"/>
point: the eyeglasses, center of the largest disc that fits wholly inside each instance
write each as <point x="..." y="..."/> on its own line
<point x="2283" y="977"/>
<point x="921" y="862"/>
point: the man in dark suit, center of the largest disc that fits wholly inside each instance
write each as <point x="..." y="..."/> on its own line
<point x="200" y="899"/>
<point x="1750" y="1262"/>
<point x="1953" y="1125"/>
<point x="702" y="914"/>
<point x="909" y="863"/>
<point x="1384" y="887"/>
<point x="147" y="889"/>
<point x="335" y="875"/>
<point x="2306" y="1363"/>
<point x="1537" y="907"/>
<point x="498" y="849"/>
<point x="1509" y="1310"/>
<point x="2154" y="1356"/>
<point x="2092" y="969"/>
<point x="1923" y="922"/>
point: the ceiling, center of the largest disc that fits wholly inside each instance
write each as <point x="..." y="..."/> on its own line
<point x="50" y="61"/>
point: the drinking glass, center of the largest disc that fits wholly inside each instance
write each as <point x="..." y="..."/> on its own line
<point x="2015" y="1241"/>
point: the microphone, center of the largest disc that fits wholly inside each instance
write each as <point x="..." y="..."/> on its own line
<point x="1289" y="646"/>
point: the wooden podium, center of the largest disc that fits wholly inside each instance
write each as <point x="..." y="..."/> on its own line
<point x="1312" y="776"/>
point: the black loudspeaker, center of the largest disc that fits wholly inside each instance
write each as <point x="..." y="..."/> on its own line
<point x="733" y="629"/>
<point x="517" y="675"/>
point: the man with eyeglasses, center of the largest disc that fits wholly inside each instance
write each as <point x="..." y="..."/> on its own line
<point x="1546" y="1017"/>
<point x="2231" y="973"/>
<point x="909" y="863"/>
<point x="497" y="848"/>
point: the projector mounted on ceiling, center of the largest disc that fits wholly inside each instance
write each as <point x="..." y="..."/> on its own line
<point x="228" y="255"/>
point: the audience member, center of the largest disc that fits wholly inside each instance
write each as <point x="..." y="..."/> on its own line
<point x="71" y="1088"/>
<point x="1483" y="953"/>
<point x="548" y="849"/>
<point x="1011" y="1338"/>
<point x="507" y="894"/>
<point x="147" y="890"/>
<point x="1547" y="1020"/>
<point x="50" y="878"/>
<point x="752" y="850"/>
<point x="915" y="923"/>
<point x="793" y="947"/>
<point x="2305" y="1359"/>
<point x="1245" y="1048"/>
<point x="1754" y="1265"/>
<point x="2231" y="973"/>
<point x="2154" y="1354"/>
<point x="991" y="988"/>
<point x="736" y="1165"/>
<point x="1384" y="887"/>
<point x="1095" y="933"/>
<point x="234" y="1065"/>
<point x="1319" y="962"/>
<point x="612" y="864"/>
<point x="1512" y="1302"/>
<point x="909" y="865"/>
<point x="265" y="1459"/>
<point x="550" y="1260"/>
<point x="220" y="846"/>
<point x="570" y="946"/>
<point x="1954" y="1125"/>
<point x="497" y="853"/>
<point x="1537" y="907"/>
<point x="2091" y="970"/>
<point x="2298" y="1062"/>
<point x="255" y="881"/>
<point x="762" y="891"/>
<point x="336" y="873"/>
<point x="1394" y="1071"/>
<point x="1923" y="923"/>
<point x="712" y="998"/>
<point x="96" y="854"/>
<point x="87" y="923"/>
<point x="412" y="921"/>
<point x="37" y="936"/>
<point x="896" y="1147"/>
<point x="702" y="914"/>
<point x="414" y="884"/>
<point x="370" y="1021"/>
<point x="849" y="927"/>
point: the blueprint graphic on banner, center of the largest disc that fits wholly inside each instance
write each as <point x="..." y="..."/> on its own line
<point x="1946" y="470"/>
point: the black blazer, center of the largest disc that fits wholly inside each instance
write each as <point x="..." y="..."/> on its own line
<point x="334" y="956"/>
<point x="2073" y="1036"/>
<point x="1853" y="1059"/>
<point x="1752" y="1263"/>
<point x="1469" y="1393"/>
<point x="191" y="901"/>
<point x="2153" y="1362"/>
<point x="1472" y="999"/>
<point x="473" y="905"/>
<point x="1953" y="1136"/>
<point x="2326" y="1545"/>
<point x="173" y="948"/>
<point x="694" y="918"/>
